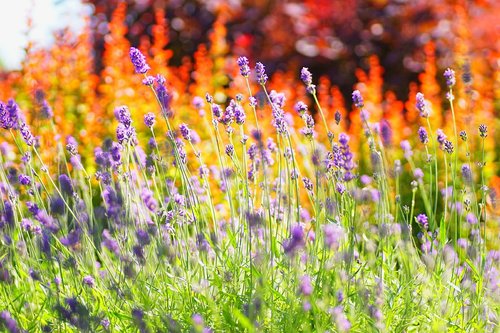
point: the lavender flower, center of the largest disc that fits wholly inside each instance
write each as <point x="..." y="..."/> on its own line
<point x="72" y="238"/>
<point x="332" y="235"/>
<point x="149" y="201"/>
<point x="338" y="117"/>
<point x="239" y="114"/>
<point x="243" y="64"/>
<point x="260" y="72"/>
<point x="32" y="208"/>
<point x="306" y="77"/>
<point x="418" y="173"/>
<point x="148" y="80"/>
<point x="300" y="107"/>
<point x="26" y="134"/>
<point x="14" y="114"/>
<point x="72" y="149"/>
<point x="421" y="105"/>
<point x="34" y="274"/>
<point x="405" y="145"/>
<point x="185" y="132"/>
<point x="197" y="319"/>
<point x="122" y="114"/>
<point x="357" y="99"/>
<point x="198" y="102"/>
<point x="471" y="218"/>
<point x="209" y="98"/>
<point x="5" y="121"/>
<point x="24" y="179"/>
<point x="340" y="188"/>
<point x="341" y="320"/>
<point x="466" y="174"/>
<point x="463" y="135"/>
<point x="109" y="243"/>
<point x="9" y="322"/>
<point x="27" y="224"/>
<point x="441" y="137"/>
<point x="307" y="184"/>
<point x="306" y="287"/>
<point x="386" y="132"/>
<point x="143" y="237"/>
<point x="422" y="135"/>
<point x="252" y="151"/>
<point x="163" y="96"/>
<point x="423" y="221"/>
<point x="149" y="119"/>
<point x="252" y="101"/>
<point x="449" y="76"/>
<point x="66" y="185"/>
<point x="89" y="281"/>
<point x="139" y="61"/>
<point x="46" y="110"/>
<point x="296" y="241"/>
<point x="229" y="150"/>
<point x="448" y="146"/>
<point x="228" y="115"/>
<point x="483" y="131"/>
<point x="216" y="110"/>
<point x="179" y="200"/>
<point x="105" y="323"/>
<point x="342" y="157"/>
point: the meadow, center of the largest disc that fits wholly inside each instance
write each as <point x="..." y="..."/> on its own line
<point x="244" y="201"/>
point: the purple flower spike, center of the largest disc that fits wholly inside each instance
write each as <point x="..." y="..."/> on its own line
<point x="422" y="135"/>
<point x="448" y="146"/>
<point x="300" y="107"/>
<point x="89" y="281"/>
<point x="239" y="114"/>
<point x="340" y="187"/>
<point x="198" y="102"/>
<point x="46" y="110"/>
<point x="423" y="221"/>
<point x="14" y="114"/>
<point x="338" y="117"/>
<point x="405" y="145"/>
<point x="185" y="132"/>
<point x="449" y="76"/>
<point x="26" y="134"/>
<point x="149" y="119"/>
<point x="357" y="99"/>
<point x="66" y="185"/>
<point x="148" y="81"/>
<point x="306" y="287"/>
<point x="9" y="322"/>
<point x="333" y="235"/>
<point x="483" y="131"/>
<point x="139" y="61"/>
<point x="386" y="132"/>
<point x="421" y="105"/>
<point x="441" y="137"/>
<point x="24" y="180"/>
<point x="466" y="174"/>
<point x="229" y="150"/>
<point x="122" y="114"/>
<point x="5" y="121"/>
<point x="306" y="76"/>
<point x="260" y="72"/>
<point x="243" y="64"/>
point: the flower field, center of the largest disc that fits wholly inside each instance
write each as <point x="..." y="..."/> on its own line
<point x="221" y="195"/>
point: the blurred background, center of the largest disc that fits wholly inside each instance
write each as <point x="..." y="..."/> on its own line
<point x="332" y="37"/>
